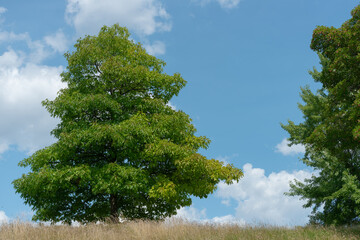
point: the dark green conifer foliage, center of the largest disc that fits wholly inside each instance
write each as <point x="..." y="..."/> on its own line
<point x="121" y="150"/>
<point x="331" y="130"/>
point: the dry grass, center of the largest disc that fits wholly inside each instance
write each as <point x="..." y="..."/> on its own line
<point x="178" y="230"/>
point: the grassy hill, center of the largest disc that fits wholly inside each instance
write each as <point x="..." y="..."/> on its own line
<point x="179" y="230"/>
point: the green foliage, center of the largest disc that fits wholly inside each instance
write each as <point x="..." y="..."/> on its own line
<point x="121" y="150"/>
<point x="331" y="130"/>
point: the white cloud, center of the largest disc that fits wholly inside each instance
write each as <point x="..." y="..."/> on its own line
<point x="4" y="146"/>
<point x="226" y="159"/>
<point x="3" y="218"/>
<point x="2" y="10"/>
<point x="25" y="82"/>
<point x="11" y="36"/>
<point x="261" y="198"/>
<point x="24" y="122"/>
<point x="173" y="107"/>
<point x="284" y="148"/>
<point x="226" y="4"/>
<point x="11" y="59"/>
<point x="157" y="48"/>
<point x="39" y="50"/>
<point x="226" y="202"/>
<point x="145" y="17"/>
<point x="227" y="219"/>
<point x="192" y="214"/>
<point x="57" y="41"/>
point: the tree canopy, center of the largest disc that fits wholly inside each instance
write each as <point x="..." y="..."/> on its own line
<point x="121" y="150"/>
<point x="331" y="130"/>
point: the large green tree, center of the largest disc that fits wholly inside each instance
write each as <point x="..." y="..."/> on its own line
<point x="331" y="130"/>
<point x="121" y="150"/>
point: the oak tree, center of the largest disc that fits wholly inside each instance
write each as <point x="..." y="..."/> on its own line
<point x="121" y="150"/>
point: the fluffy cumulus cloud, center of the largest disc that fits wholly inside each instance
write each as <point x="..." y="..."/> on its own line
<point x="24" y="122"/>
<point x="192" y="214"/>
<point x="10" y="36"/>
<point x="57" y="41"/>
<point x="284" y="148"/>
<point x="260" y="199"/>
<point x="25" y="81"/>
<point x="145" y="17"/>
<point x="157" y="48"/>
<point x="227" y="219"/>
<point x="2" y="10"/>
<point x="38" y="50"/>
<point x="3" y="218"/>
<point x="227" y="159"/>
<point x="171" y="105"/>
<point x="226" y="4"/>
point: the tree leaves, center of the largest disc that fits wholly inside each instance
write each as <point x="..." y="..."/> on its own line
<point x="121" y="151"/>
<point x="331" y="127"/>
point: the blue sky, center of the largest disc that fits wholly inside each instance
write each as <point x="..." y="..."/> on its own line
<point x="244" y="61"/>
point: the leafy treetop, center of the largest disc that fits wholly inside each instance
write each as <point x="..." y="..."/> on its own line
<point x="331" y="130"/>
<point x="121" y="150"/>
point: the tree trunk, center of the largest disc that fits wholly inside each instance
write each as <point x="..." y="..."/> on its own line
<point x="114" y="210"/>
